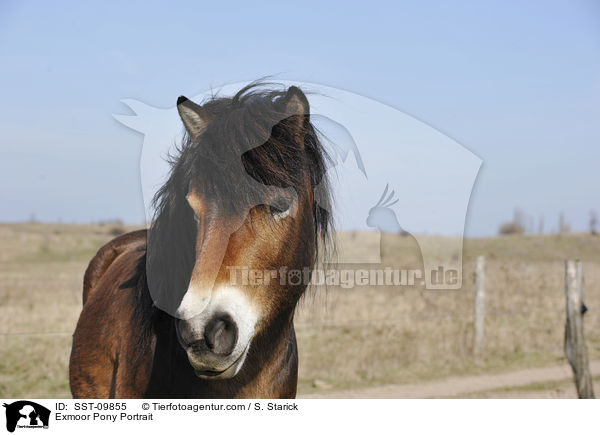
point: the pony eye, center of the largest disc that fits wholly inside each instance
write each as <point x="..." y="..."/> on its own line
<point x="280" y="209"/>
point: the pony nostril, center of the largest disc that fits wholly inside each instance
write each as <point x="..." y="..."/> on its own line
<point x="220" y="335"/>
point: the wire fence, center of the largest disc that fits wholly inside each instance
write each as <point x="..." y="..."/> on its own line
<point x="361" y="322"/>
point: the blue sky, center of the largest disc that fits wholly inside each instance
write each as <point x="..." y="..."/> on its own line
<point x="517" y="83"/>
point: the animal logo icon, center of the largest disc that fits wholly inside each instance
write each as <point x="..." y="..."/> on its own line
<point x="25" y="413"/>
<point x="382" y="216"/>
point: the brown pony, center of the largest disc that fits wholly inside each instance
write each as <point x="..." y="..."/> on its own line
<point x="170" y="312"/>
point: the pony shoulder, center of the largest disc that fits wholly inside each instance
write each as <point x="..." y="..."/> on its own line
<point x="107" y="254"/>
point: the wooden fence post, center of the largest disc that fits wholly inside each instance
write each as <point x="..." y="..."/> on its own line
<point x="479" y="336"/>
<point x="575" y="348"/>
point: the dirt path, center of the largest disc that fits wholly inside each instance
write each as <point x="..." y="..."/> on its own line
<point x="469" y="385"/>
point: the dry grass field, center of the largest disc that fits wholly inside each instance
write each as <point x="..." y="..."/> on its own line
<point x="348" y="338"/>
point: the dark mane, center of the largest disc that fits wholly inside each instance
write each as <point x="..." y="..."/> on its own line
<point x="252" y="127"/>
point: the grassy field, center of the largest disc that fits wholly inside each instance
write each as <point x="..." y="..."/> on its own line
<point x="348" y="338"/>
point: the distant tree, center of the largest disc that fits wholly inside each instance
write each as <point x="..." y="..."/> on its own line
<point x="531" y="226"/>
<point x="519" y="218"/>
<point x="508" y="228"/>
<point x="541" y="225"/>
<point x="593" y="222"/>
<point x="117" y="230"/>
<point x="106" y="222"/>
<point x="563" y="226"/>
<point x="516" y="226"/>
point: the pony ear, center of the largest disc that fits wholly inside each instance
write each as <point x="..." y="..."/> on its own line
<point x="297" y="108"/>
<point x="195" y="118"/>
